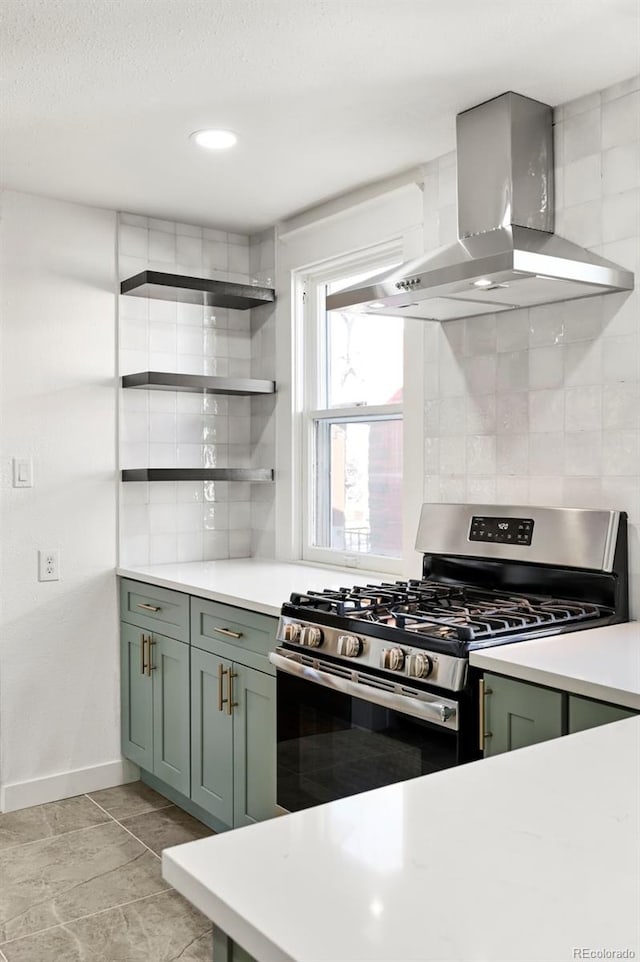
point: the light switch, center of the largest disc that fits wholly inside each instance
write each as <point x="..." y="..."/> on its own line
<point x="22" y="473"/>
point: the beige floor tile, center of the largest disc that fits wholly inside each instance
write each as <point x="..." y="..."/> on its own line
<point x="70" y="876"/>
<point x="169" y="826"/>
<point x="45" y="821"/>
<point x="163" y="928"/>
<point x="124" y="801"/>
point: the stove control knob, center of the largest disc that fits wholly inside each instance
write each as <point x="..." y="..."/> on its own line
<point x="311" y="637"/>
<point x="291" y="633"/>
<point x="419" y="665"/>
<point x="349" y="645"/>
<point x="392" y="658"/>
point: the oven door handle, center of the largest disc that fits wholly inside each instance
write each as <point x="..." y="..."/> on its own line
<point x="440" y="713"/>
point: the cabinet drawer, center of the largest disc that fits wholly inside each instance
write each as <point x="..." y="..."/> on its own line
<point x="234" y="633"/>
<point x="157" y="609"/>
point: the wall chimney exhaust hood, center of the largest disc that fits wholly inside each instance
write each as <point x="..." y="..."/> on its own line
<point x="507" y="255"/>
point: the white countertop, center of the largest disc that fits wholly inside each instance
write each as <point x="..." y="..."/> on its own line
<point x="601" y="663"/>
<point x="521" y="857"/>
<point x="248" y="582"/>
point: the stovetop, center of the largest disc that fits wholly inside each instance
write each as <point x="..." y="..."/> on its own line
<point x="436" y="611"/>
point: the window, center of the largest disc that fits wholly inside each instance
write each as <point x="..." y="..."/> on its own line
<point x="352" y="425"/>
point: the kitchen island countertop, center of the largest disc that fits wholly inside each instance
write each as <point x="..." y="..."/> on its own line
<point x="529" y="856"/>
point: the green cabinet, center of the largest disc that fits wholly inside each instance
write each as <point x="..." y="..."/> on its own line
<point x="585" y="713"/>
<point x="254" y="746"/>
<point x="155" y="704"/>
<point x="517" y="714"/>
<point x="199" y="709"/>
<point x="233" y="714"/>
<point x="211" y="736"/>
<point x="136" y="698"/>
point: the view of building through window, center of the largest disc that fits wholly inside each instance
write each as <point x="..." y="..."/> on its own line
<point x="358" y="450"/>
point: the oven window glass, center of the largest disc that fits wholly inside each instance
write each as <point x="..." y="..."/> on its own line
<point x="331" y="745"/>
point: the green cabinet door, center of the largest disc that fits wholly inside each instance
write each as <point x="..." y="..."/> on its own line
<point x="137" y="697"/>
<point x="518" y="714"/>
<point x="585" y="713"/>
<point x="254" y="746"/>
<point x="170" y="675"/>
<point x="211" y="735"/>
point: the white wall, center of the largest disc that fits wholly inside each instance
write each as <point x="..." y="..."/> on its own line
<point x="59" y="695"/>
<point x="542" y="406"/>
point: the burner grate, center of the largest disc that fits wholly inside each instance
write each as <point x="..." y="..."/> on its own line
<point x="446" y="611"/>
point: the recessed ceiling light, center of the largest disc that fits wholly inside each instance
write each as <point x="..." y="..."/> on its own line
<point x="483" y="282"/>
<point x="214" y="139"/>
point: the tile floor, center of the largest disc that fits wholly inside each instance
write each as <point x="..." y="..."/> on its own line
<point x="80" y="879"/>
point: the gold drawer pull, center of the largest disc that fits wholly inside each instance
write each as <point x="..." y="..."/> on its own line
<point x="143" y="663"/>
<point x="231" y="704"/>
<point x="482" y="693"/>
<point x="227" y="631"/>
<point x="149" y="607"/>
<point x="150" y="667"/>
<point x="221" y="673"/>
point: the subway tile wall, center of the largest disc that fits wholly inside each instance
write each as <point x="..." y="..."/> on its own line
<point x="262" y="263"/>
<point x="163" y="522"/>
<point x="542" y="406"/>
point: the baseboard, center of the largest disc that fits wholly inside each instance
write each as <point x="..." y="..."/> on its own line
<point x="67" y="784"/>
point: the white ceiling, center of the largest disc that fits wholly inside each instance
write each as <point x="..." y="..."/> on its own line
<point x="325" y="95"/>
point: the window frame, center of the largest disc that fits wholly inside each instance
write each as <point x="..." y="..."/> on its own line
<point x="312" y="351"/>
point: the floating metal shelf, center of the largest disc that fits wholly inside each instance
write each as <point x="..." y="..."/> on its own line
<point x="198" y="383"/>
<point x="197" y="474"/>
<point x="196" y="290"/>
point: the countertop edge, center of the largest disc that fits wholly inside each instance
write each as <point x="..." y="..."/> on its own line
<point x="236" y="601"/>
<point x="231" y="922"/>
<point x="562" y="682"/>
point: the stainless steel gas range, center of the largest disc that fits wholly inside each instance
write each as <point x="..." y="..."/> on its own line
<point x="373" y="682"/>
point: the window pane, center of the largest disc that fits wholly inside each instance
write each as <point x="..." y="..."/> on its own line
<point x="364" y="354"/>
<point x="364" y="359"/>
<point x="359" y="486"/>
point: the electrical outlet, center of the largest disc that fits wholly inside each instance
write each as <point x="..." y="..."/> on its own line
<point x="49" y="565"/>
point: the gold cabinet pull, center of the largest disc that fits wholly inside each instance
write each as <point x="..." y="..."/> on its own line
<point x="150" y="667"/>
<point x="149" y="607"/>
<point x="229" y="633"/>
<point x="483" y="691"/>
<point x="221" y="673"/>
<point x="143" y="663"/>
<point x="231" y="704"/>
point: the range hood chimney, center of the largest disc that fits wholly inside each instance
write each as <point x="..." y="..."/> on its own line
<point x="507" y="255"/>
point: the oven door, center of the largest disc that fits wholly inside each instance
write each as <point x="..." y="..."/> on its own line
<point x="342" y="732"/>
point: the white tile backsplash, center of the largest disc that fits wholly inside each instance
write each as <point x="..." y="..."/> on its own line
<point x="583" y="180"/>
<point x="620" y="168"/>
<point x="168" y="521"/>
<point x="581" y="134"/>
<point x="546" y="367"/>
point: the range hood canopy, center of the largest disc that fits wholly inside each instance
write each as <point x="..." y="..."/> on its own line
<point x="507" y="255"/>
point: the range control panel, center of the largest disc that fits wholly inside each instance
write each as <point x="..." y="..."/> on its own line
<point x="501" y="530"/>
